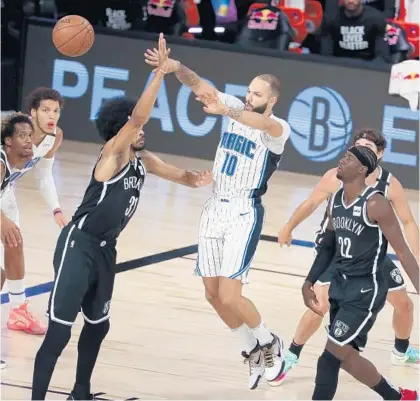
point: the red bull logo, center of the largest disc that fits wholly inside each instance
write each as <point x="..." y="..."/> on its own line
<point x="411" y="76"/>
<point x="160" y="8"/>
<point x="392" y="34"/>
<point x="264" y="20"/>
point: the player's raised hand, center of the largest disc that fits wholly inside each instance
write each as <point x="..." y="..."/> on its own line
<point x="163" y="54"/>
<point x="152" y="58"/>
<point x="10" y="233"/>
<point x="212" y="102"/>
<point x="310" y="299"/>
<point x="285" y="237"/>
<point x="201" y="178"/>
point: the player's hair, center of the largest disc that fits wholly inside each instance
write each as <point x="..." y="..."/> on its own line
<point x="273" y="81"/>
<point x="371" y="135"/>
<point x="112" y="116"/>
<point x="35" y="98"/>
<point x="8" y="123"/>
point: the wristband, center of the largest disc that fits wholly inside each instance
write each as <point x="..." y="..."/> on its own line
<point x="56" y="211"/>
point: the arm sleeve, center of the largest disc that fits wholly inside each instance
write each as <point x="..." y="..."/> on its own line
<point x="276" y="145"/>
<point x="323" y="257"/>
<point x="45" y="180"/>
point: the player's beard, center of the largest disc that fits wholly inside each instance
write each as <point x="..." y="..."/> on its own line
<point x="137" y="148"/>
<point x="260" y="109"/>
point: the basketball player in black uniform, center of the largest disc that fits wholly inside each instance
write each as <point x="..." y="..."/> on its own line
<point x="85" y="256"/>
<point x="361" y="222"/>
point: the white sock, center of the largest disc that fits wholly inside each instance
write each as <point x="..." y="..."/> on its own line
<point x="262" y="334"/>
<point x="248" y="341"/>
<point x="16" y="292"/>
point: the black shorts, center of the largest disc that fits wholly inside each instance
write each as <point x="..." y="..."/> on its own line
<point x="84" y="269"/>
<point x="391" y="273"/>
<point x="354" y="304"/>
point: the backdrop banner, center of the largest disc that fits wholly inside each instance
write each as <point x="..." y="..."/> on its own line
<point x="323" y="103"/>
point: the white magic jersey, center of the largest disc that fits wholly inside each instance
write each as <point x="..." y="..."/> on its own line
<point x="39" y="152"/>
<point x="246" y="157"/>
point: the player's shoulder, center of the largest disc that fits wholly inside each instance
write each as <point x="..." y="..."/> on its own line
<point x="284" y="124"/>
<point x="373" y="14"/>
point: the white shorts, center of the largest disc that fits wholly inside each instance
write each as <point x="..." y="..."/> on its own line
<point x="229" y="233"/>
<point x="10" y="209"/>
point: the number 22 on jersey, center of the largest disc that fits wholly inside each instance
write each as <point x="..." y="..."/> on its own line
<point x="229" y="165"/>
<point x="345" y="245"/>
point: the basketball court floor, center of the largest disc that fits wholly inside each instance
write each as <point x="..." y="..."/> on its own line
<point x="165" y="341"/>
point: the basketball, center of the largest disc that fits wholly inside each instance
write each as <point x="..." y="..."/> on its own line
<point x="73" y="35"/>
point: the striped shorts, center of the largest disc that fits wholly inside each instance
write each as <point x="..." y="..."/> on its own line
<point x="228" y="237"/>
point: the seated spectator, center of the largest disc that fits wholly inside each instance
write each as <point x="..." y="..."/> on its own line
<point x="387" y="7"/>
<point x="355" y="31"/>
<point x="266" y="27"/>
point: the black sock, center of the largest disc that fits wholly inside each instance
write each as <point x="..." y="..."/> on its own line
<point x="56" y="339"/>
<point x="386" y="391"/>
<point x="401" y="345"/>
<point x="88" y="348"/>
<point x="296" y="348"/>
<point x="326" y="378"/>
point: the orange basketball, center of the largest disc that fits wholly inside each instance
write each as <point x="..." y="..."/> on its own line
<point x="73" y="35"/>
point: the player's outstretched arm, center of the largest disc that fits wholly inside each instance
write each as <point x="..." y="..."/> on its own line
<point x="45" y="180"/>
<point x="380" y="211"/>
<point x="399" y="201"/>
<point x="158" y="167"/>
<point x="116" y="151"/>
<point x="186" y="76"/>
<point x="213" y="104"/>
<point x="324" y="189"/>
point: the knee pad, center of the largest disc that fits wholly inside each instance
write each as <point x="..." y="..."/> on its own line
<point x="56" y="338"/>
<point x="99" y="330"/>
<point x="326" y="379"/>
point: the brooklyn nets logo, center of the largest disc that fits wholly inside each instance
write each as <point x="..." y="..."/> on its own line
<point x="396" y="276"/>
<point x="340" y="328"/>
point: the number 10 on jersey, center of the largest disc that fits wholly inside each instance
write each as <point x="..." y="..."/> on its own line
<point x="229" y="165"/>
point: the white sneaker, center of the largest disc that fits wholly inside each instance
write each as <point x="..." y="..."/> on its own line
<point x="273" y="359"/>
<point x="410" y="358"/>
<point x="255" y="359"/>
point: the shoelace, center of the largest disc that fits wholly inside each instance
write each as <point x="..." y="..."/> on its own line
<point x="269" y="357"/>
<point x="251" y="360"/>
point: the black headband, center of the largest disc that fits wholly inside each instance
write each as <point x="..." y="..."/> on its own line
<point x="366" y="156"/>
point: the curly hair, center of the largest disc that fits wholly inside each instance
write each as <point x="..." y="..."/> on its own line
<point x="35" y="98"/>
<point x="371" y="135"/>
<point x="112" y="116"/>
<point x="8" y="123"/>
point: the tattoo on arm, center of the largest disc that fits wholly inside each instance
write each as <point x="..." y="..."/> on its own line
<point x="234" y="113"/>
<point x="187" y="76"/>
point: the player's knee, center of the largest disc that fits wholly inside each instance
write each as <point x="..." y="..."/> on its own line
<point x="56" y="338"/>
<point x="228" y="298"/>
<point x="401" y="303"/>
<point x="98" y="330"/>
<point x="211" y="296"/>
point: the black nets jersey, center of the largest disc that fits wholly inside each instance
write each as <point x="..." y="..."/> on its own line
<point x="360" y="244"/>
<point x="7" y="173"/>
<point x="108" y="206"/>
<point x="381" y="184"/>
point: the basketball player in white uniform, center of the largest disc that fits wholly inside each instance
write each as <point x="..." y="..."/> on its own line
<point x="248" y="153"/>
<point x="44" y="105"/>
